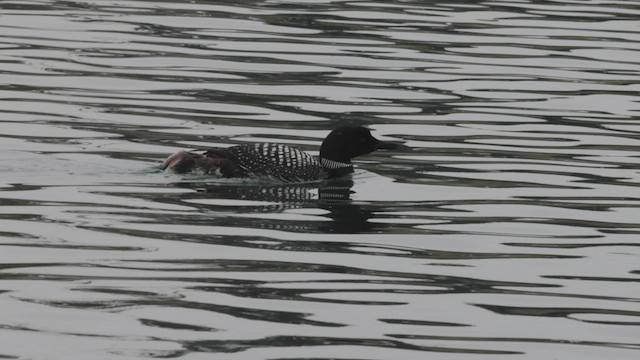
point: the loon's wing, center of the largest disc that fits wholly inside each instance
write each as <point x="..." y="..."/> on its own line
<point x="277" y="161"/>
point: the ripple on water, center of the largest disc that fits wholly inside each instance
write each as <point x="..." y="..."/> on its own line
<point x="507" y="226"/>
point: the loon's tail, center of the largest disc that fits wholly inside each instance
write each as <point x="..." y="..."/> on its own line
<point x="212" y="162"/>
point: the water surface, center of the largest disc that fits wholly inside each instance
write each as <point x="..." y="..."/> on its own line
<point x="508" y="228"/>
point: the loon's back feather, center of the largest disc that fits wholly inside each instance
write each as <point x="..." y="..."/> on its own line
<point x="277" y="161"/>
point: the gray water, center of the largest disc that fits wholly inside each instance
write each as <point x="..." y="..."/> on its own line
<point x="508" y="228"/>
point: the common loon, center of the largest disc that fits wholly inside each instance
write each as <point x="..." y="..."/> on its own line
<point x="281" y="161"/>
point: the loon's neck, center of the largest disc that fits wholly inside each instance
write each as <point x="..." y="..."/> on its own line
<point x="335" y="168"/>
<point x="334" y="165"/>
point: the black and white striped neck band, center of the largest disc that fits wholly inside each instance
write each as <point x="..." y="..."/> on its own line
<point x="332" y="165"/>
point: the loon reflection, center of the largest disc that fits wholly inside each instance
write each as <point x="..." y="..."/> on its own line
<point x="333" y="196"/>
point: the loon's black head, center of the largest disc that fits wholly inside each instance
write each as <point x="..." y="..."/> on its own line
<point x="346" y="142"/>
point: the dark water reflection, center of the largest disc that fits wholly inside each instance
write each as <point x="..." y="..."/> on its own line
<point x="508" y="226"/>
